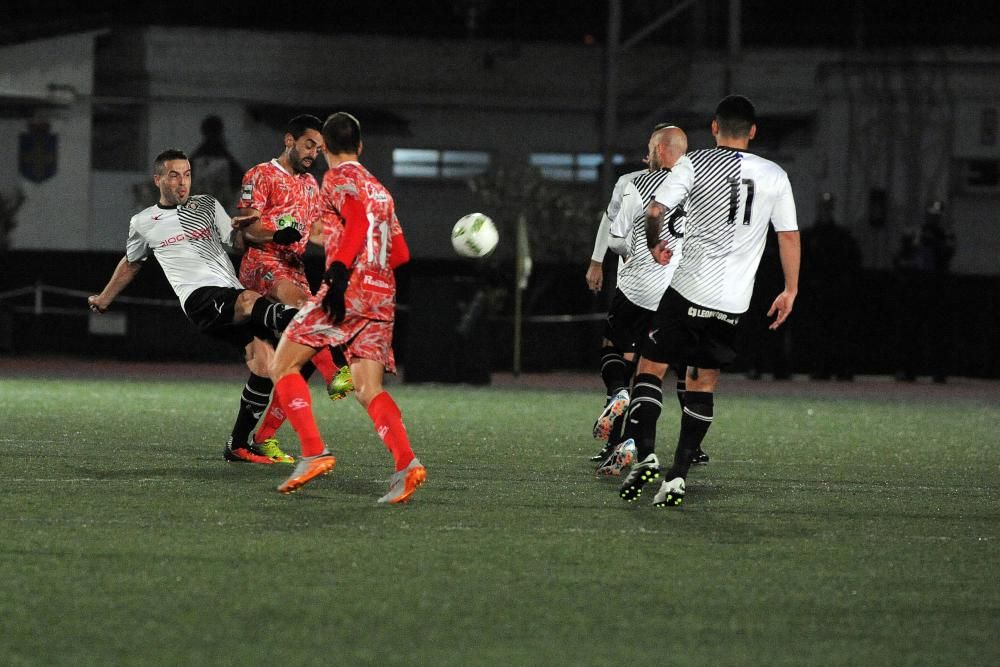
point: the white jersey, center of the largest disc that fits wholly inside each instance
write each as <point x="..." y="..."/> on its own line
<point x="601" y="242"/>
<point x="640" y="278"/>
<point x="187" y="241"/>
<point x="730" y="197"/>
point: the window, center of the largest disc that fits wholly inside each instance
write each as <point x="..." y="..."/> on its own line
<point x="980" y="175"/>
<point x="583" y="167"/>
<point x="431" y="163"/>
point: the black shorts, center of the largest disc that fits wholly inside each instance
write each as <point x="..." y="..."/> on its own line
<point x="685" y="334"/>
<point x="211" y="310"/>
<point x="626" y="324"/>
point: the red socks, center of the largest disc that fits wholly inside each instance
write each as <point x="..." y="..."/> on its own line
<point x="273" y="420"/>
<point x="292" y="393"/>
<point x="293" y="396"/>
<point x="323" y="361"/>
<point x="389" y="426"/>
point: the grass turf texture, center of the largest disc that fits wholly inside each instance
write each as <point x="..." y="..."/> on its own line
<point x="824" y="531"/>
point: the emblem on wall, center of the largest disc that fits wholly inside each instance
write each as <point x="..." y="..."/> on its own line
<point x="38" y="153"/>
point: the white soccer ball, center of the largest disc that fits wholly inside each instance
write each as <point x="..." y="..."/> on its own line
<point x="474" y="235"/>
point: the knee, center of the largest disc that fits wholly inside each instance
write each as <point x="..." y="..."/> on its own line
<point x="278" y="369"/>
<point x="259" y="355"/>
<point x="244" y="304"/>
<point x="647" y="367"/>
<point x="365" y="393"/>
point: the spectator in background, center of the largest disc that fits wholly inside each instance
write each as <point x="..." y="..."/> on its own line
<point x="922" y="267"/>
<point x="215" y="171"/>
<point x="831" y="261"/>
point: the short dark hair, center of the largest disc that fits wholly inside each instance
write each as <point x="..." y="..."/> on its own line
<point x="662" y="126"/>
<point x="342" y="133"/>
<point x="167" y="156"/>
<point x="298" y="125"/>
<point x="735" y="116"/>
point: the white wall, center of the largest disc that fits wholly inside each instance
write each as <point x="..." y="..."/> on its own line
<point x="510" y="100"/>
<point x="56" y="213"/>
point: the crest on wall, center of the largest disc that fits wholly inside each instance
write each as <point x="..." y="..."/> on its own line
<point x="38" y="153"/>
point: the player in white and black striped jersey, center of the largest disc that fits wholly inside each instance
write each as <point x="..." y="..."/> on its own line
<point x="186" y="233"/>
<point x="595" y="270"/>
<point x="641" y="282"/>
<point x="730" y="196"/>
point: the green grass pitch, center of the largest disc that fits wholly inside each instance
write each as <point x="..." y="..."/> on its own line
<point x="824" y="531"/>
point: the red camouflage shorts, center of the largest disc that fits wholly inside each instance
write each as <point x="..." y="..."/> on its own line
<point x="359" y="337"/>
<point x="261" y="273"/>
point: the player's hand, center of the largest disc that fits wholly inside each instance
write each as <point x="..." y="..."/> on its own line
<point x="662" y="253"/>
<point x="783" y="307"/>
<point x="96" y="304"/>
<point x="242" y="221"/>
<point x="595" y="276"/>
<point x="336" y="278"/>
<point x="286" y="236"/>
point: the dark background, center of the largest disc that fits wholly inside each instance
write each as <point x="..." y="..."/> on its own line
<point x="765" y="22"/>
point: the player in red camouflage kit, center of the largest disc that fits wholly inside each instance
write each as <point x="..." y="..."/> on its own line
<point x="281" y="201"/>
<point x="353" y="310"/>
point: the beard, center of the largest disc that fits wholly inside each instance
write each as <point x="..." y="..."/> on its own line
<point x="297" y="162"/>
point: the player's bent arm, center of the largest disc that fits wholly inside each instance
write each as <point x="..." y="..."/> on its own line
<point x="654" y="220"/>
<point x="618" y="245"/>
<point x="252" y="231"/>
<point x="123" y="274"/>
<point x="317" y="232"/>
<point x="790" y="252"/>
<point x="249" y="216"/>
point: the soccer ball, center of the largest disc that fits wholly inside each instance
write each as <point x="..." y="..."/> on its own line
<point x="474" y="235"/>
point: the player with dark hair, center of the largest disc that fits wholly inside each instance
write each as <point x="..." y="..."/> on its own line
<point x="353" y="310"/>
<point x="730" y="196"/>
<point x="641" y="282"/>
<point x="280" y="200"/>
<point x="186" y="233"/>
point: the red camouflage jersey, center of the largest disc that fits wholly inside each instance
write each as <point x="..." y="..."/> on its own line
<point x="371" y="291"/>
<point x="284" y="200"/>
